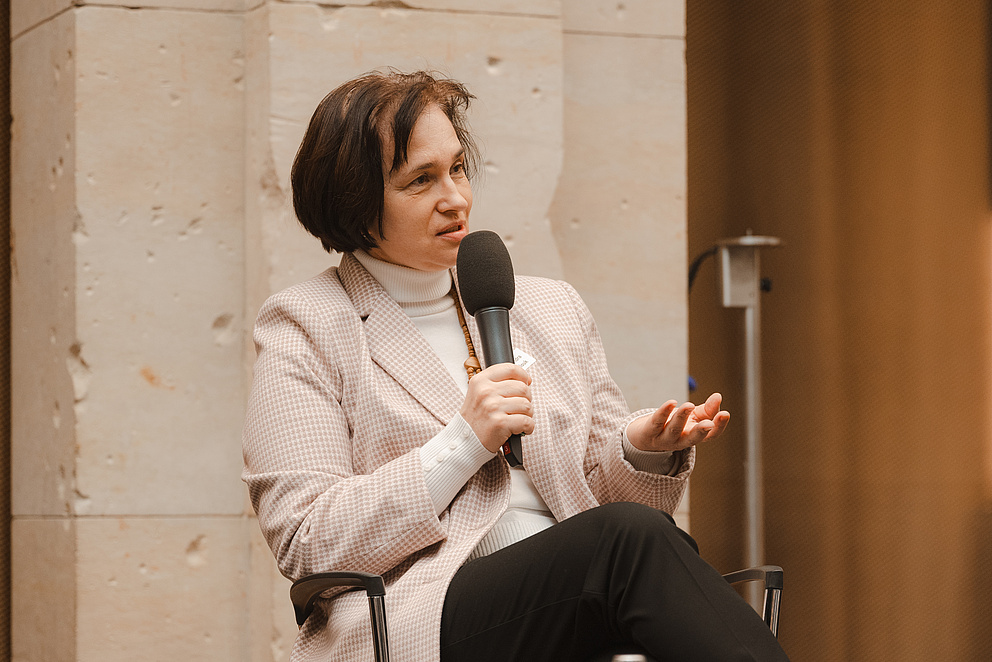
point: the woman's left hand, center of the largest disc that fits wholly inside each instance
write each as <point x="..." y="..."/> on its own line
<point x="673" y="427"/>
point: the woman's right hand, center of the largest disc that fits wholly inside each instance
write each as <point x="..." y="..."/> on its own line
<point x="498" y="404"/>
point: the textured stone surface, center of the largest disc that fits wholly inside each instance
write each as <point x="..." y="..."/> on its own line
<point x="194" y="5"/>
<point x="43" y="215"/>
<point x="166" y="589"/>
<point x="159" y="172"/>
<point x="43" y="573"/>
<point x="272" y="619"/>
<point x="619" y="214"/>
<point x="27" y="14"/>
<point x="629" y="17"/>
<point x="265" y="198"/>
<point x="520" y="7"/>
<point x="513" y="66"/>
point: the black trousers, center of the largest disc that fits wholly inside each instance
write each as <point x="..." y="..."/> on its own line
<point x="619" y="573"/>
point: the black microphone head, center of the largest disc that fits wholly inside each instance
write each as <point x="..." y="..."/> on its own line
<point x="485" y="273"/>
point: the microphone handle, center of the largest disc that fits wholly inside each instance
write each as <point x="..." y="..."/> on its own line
<point x="494" y="328"/>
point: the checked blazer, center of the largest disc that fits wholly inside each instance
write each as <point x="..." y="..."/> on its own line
<point x="345" y="392"/>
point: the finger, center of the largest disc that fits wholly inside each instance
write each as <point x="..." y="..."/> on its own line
<point x="511" y="388"/>
<point x="497" y="406"/>
<point x="676" y="424"/>
<point x="707" y="430"/>
<point x="504" y="371"/>
<point x="720" y="422"/>
<point x="697" y="434"/>
<point x="515" y="417"/>
<point x="482" y="386"/>
<point x="515" y="406"/>
<point x="712" y="405"/>
<point x="708" y="409"/>
<point x="520" y="424"/>
<point x="663" y="414"/>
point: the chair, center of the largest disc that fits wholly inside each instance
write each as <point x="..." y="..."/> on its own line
<point x="305" y="592"/>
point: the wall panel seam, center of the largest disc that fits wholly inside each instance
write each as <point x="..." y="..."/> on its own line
<point x="629" y="35"/>
<point x="40" y="23"/>
<point x="402" y="6"/>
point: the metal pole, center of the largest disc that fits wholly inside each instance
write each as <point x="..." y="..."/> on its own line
<point x="753" y="483"/>
<point x="740" y="278"/>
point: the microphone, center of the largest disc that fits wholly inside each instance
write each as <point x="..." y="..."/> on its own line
<point x="485" y="282"/>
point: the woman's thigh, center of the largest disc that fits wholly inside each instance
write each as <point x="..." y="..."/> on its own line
<point x="547" y="596"/>
<point x="619" y="573"/>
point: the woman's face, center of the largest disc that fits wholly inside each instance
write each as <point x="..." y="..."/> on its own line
<point x="427" y="200"/>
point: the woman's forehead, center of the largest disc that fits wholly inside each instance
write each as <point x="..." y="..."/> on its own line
<point x="432" y="139"/>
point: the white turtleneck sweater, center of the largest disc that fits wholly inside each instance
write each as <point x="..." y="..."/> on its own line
<point x="455" y="454"/>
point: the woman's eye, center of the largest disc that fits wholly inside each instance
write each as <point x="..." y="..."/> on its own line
<point x="458" y="168"/>
<point x="420" y="181"/>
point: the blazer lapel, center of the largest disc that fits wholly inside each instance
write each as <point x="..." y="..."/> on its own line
<point x="397" y="346"/>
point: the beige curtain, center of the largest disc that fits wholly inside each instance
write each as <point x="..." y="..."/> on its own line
<point x="858" y="132"/>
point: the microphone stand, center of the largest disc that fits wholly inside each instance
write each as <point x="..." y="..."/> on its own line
<point x="741" y="287"/>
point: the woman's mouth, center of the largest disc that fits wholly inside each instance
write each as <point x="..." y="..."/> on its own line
<point x="453" y="231"/>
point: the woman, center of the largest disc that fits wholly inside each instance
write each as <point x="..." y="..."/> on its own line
<point x="372" y="440"/>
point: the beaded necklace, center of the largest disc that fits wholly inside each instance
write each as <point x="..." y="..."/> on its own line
<point x="472" y="365"/>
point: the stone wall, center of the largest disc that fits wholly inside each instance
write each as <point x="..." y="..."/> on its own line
<point x="152" y="142"/>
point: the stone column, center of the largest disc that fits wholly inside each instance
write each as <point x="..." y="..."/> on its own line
<point x="43" y="302"/>
<point x="128" y="303"/>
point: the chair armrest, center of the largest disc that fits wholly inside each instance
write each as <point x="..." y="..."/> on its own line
<point x="305" y="591"/>
<point x="771" y="575"/>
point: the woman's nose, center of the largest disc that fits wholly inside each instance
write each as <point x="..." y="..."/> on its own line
<point x="453" y="198"/>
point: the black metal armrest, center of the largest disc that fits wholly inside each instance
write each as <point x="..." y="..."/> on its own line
<point x="305" y="591"/>
<point x="772" y="577"/>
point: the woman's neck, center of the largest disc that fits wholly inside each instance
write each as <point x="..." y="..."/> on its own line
<point x="417" y="292"/>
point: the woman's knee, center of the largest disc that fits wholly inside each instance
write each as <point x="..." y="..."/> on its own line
<point x="638" y="520"/>
<point x="632" y="511"/>
<point x="629" y="514"/>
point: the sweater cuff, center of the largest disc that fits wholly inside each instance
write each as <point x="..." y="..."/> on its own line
<point x="450" y="459"/>
<point x="663" y="463"/>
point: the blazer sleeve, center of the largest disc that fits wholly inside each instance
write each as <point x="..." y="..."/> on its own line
<point x="316" y="513"/>
<point x="609" y="475"/>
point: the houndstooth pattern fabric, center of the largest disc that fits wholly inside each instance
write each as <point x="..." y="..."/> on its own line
<point x="345" y="392"/>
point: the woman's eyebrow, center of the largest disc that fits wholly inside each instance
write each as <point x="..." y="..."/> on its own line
<point x="430" y="165"/>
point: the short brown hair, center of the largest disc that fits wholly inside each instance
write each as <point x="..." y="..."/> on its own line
<point x="337" y="175"/>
